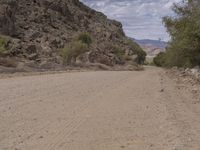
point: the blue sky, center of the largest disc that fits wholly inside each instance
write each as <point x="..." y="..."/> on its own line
<point x="141" y="19"/>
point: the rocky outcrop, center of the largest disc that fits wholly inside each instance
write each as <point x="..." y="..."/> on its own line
<point x="193" y="72"/>
<point x="37" y="29"/>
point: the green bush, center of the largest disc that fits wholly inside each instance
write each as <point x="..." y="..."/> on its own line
<point x="119" y="53"/>
<point x="184" y="29"/>
<point x="141" y="57"/>
<point x="72" y="51"/>
<point x="85" y="38"/>
<point x="137" y="50"/>
<point x="159" y="60"/>
<point x="3" y="43"/>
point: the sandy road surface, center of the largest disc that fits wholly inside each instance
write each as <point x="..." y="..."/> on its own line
<point x="98" y="111"/>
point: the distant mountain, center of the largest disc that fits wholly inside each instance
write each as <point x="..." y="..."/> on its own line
<point x="155" y="43"/>
<point x="152" y="47"/>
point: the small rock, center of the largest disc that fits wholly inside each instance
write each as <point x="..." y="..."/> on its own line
<point x="151" y="145"/>
<point x="122" y="146"/>
<point x="162" y="90"/>
<point x="175" y="68"/>
<point x="41" y="137"/>
<point x="33" y="56"/>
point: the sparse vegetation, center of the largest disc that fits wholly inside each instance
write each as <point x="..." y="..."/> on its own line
<point x="184" y="47"/>
<point x="85" y="38"/>
<point x="3" y="43"/>
<point x="72" y="51"/>
<point x="79" y="46"/>
<point x="117" y="51"/>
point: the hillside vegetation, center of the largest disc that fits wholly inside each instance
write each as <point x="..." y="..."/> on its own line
<point x="184" y="29"/>
<point x="3" y="43"/>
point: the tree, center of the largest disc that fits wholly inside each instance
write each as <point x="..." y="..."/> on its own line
<point x="159" y="60"/>
<point x="137" y="50"/>
<point x="184" y="29"/>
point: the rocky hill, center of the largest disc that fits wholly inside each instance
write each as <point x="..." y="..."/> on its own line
<point x="35" y="30"/>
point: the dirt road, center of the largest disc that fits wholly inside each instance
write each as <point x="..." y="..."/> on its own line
<point x="98" y="111"/>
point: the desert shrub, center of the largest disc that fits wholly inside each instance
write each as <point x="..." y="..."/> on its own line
<point x="78" y="46"/>
<point x="116" y="50"/>
<point x="85" y="38"/>
<point x="137" y="50"/>
<point x="120" y="55"/>
<point x="3" y="43"/>
<point x="65" y="53"/>
<point x="72" y="51"/>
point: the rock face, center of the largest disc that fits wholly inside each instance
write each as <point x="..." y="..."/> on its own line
<point x="37" y="29"/>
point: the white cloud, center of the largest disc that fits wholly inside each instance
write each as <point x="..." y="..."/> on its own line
<point x="141" y="19"/>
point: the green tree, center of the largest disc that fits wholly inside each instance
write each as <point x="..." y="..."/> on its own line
<point x="137" y="50"/>
<point x="159" y="60"/>
<point x="184" y="29"/>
